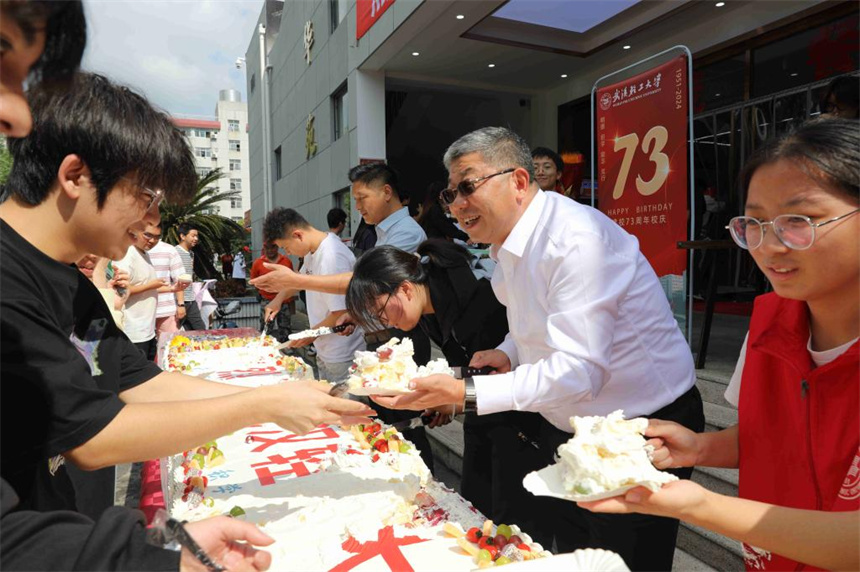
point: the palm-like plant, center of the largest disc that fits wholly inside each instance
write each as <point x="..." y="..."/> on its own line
<point x="216" y="231"/>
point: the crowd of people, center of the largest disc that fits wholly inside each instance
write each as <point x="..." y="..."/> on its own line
<point x="571" y="321"/>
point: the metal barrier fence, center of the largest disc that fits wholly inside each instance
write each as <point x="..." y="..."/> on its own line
<point x="248" y="316"/>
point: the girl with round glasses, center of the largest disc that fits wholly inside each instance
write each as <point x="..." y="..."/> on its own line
<point x="797" y="441"/>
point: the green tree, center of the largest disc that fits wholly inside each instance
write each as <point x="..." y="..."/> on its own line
<point x="5" y="161"/>
<point x="216" y="232"/>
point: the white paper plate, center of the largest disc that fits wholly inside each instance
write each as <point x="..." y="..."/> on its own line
<point x="380" y="391"/>
<point x="591" y="559"/>
<point x="548" y="482"/>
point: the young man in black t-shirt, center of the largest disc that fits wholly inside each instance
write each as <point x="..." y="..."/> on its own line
<point x="75" y="390"/>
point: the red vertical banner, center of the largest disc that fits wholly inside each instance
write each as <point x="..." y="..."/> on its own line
<point x="367" y="13"/>
<point x="642" y="162"/>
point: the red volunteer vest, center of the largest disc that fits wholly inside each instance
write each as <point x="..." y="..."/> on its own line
<point x="799" y="428"/>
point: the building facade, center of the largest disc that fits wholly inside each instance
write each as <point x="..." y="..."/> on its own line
<point x="332" y="83"/>
<point x="222" y="142"/>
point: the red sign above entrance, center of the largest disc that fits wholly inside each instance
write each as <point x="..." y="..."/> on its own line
<point x="368" y="12"/>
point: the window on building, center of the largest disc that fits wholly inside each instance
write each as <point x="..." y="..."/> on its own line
<point x="215" y="209"/>
<point x="235" y="184"/>
<point x="339" y="112"/>
<point x="812" y="55"/>
<point x="235" y="164"/>
<point x="238" y="219"/>
<point x="202" y="152"/>
<point x="236" y="202"/>
<point x="203" y="171"/>
<point x="343" y="200"/>
<point x="253" y="81"/>
<point x="234" y="146"/>
<point x="338" y="12"/>
<point x="233" y="125"/>
<point x="277" y="165"/>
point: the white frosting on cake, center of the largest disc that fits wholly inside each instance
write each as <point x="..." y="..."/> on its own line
<point x="391" y="366"/>
<point x="325" y="495"/>
<point x="237" y="355"/>
<point x="608" y="453"/>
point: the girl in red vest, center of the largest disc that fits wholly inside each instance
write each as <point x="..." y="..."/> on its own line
<point x="796" y="384"/>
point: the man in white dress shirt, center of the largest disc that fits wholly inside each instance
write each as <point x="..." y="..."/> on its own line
<point x="591" y="329"/>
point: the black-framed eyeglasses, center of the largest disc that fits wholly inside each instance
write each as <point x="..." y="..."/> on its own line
<point x="380" y="316"/>
<point x="794" y="231"/>
<point x="155" y="197"/>
<point x="468" y="186"/>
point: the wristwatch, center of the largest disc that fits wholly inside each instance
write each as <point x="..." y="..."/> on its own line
<point x="470" y="396"/>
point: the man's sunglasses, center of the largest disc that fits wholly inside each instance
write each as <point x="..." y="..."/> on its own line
<point x="467" y="186"/>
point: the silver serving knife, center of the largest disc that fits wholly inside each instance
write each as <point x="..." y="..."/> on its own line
<point x="323" y="332"/>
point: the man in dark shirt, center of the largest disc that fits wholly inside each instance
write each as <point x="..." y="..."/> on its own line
<point x="90" y="175"/>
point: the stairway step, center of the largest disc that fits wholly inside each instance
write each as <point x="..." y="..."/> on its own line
<point x="716" y="550"/>
<point x="447" y="445"/>
<point x="713" y="391"/>
<point x="686" y="562"/>
<point x="722" y="481"/>
<point x="720" y="416"/>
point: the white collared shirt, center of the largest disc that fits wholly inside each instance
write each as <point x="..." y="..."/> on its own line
<point x="591" y="329"/>
<point x="400" y="230"/>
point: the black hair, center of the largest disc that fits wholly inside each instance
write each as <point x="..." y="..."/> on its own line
<point x="547" y="152"/>
<point x="378" y="172"/>
<point x="115" y="132"/>
<point x="280" y="222"/>
<point x="825" y="149"/>
<point x="381" y="271"/>
<point x="335" y="217"/>
<point x="431" y="199"/>
<point x="65" y="35"/>
<point x="845" y="90"/>
<point x="184" y="228"/>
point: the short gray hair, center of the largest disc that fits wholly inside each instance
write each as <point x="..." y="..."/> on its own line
<point x="499" y="147"/>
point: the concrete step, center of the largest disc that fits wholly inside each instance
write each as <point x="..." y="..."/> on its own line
<point x="685" y="562"/>
<point x="715" y="550"/>
<point x="722" y="481"/>
<point x="713" y="390"/>
<point x="719" y="417"/>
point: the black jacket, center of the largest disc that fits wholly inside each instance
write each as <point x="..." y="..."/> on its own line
<point x="468" y="317"/>
<point x="66" y="540"/>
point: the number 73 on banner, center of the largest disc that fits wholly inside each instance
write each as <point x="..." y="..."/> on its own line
<point x="652" y="144"/>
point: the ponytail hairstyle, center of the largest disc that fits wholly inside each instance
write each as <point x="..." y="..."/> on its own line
<point x="381" y="270"/>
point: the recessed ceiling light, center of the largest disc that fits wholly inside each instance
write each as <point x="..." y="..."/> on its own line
<point x="720" y="4"/>
<point x="491" y="65"/>
<point x="627" y="47"/>
<point x="794" y="74"/>
<point x="416" y="53"/>
<point x="460" y="16"/>
<point x="564" y="75"/>
<point x="716" y="95"/>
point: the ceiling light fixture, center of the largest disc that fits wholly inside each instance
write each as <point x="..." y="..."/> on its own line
<point x="564" y="75"/>
<point x="794" y="74"/>
<point x="460" y="16"/>
<point x="627" y="47"/>
<point x="491" y="65"/>
<point x="416" y="53"/>
<point x="716" y="95"/>
<point x="720" y="4"/>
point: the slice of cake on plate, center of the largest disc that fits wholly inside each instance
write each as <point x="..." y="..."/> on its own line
<point x="388" y="370"/>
